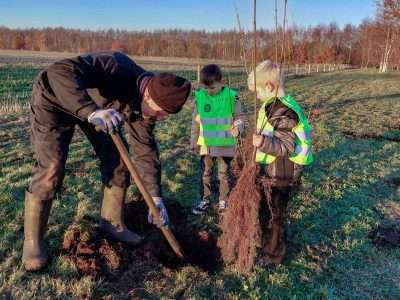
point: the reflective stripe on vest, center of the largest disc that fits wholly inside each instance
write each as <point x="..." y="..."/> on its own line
<point x="304" y="135"/>
<point x="300" y="150"/>
<point x="302" y="154"/>
<point x="217" y="134"/>
<point x="216" y="121"/>
<point x="216" y="114"/>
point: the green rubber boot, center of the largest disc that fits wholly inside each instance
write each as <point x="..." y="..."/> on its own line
<point x="34" y="256"/>
<point x="112" y="216"/>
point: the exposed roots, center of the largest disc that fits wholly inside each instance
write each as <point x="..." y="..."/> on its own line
<point x="241" y="228"/>
<point x="244" y="154"/>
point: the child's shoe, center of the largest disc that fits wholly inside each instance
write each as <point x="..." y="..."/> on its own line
<point x="201" y="207"/>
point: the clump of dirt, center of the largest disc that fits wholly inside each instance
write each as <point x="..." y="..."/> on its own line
<point x="92" y="253"/>
<point x="370" y="136"/>
<point x="241" y="227"/>
<point x="387" y="234"/>
<point x="198" y="245"/>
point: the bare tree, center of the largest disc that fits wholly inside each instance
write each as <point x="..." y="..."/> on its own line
<point x="389" y="17"/>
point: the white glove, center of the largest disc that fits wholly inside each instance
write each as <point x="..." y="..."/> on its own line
<point x="164" y="218"/>
<point x="107" y="119"/>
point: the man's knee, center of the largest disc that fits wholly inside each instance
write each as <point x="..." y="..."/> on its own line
<point x="117" y="176"/>
<point x="46" y="182"/>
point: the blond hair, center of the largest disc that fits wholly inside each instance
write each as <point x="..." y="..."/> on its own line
<point x="266" y="71"/>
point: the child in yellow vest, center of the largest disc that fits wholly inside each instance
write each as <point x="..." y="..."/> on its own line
<point x="215" y="127"/>
<point x="283" y="143"/>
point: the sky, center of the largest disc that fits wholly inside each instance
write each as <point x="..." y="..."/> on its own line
<point x="210" y="15"/>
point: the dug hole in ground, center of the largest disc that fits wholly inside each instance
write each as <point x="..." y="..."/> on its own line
<point x="97" y="254"/>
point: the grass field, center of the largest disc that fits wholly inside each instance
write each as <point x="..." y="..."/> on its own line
<point x="353" y="186"/>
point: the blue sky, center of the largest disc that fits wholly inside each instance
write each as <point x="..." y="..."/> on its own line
<point x="189" y="14"/>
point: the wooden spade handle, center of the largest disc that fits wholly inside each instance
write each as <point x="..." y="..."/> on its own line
<point x="116" y="136"/>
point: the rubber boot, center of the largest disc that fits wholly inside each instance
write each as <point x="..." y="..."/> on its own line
<point x="112" y="216"/>
<point x="34" y="256"/>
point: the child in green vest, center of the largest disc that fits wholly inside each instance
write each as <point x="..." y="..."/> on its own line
<point x="215" y="127"/>
<point x="283" y="143"/>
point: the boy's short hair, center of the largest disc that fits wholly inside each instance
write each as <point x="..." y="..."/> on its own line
<point x="266" y="71"/>
<point x="210" y="74"/>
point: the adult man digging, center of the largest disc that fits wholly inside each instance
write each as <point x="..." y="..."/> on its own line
<point x="103" y="90"/>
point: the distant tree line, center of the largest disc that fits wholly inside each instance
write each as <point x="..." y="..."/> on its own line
<point x="373" y="43"/>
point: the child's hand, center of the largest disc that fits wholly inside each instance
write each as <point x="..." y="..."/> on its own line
<point x="258" y="140"/>
<point x="235" y="131"/>
<point x="237" y="128"/>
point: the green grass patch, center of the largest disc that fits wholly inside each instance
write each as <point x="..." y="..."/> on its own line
<point x="344" y="195"/>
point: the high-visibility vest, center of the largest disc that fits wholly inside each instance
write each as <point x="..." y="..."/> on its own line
<point x="302" y="154"/>
<point x="216" y="117"/>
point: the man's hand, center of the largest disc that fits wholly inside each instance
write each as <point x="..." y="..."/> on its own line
<point x="107" y="119"/>
<point x="258" y="140"/>
<point x="164" y="219"/>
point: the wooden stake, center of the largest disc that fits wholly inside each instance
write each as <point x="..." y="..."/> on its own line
<point x="243" y="42"/>
<point x="255" y="60"/>
<point x="276" y="31"/>
<point x="198" y="73"/>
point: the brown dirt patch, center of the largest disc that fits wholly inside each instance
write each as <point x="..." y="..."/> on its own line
<point x="198" y="245"/>
<point x="370" y="136"/>
<point x="394" y="181"/>
<point x="96" y="254"/>
<point x="386" y="234"/>
<point x="92" y="253"/>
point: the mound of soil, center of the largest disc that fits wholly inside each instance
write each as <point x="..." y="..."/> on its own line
<point x="387" y="234"/>
<point x="96" y="254"/>
<point x="92" y="253"/>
